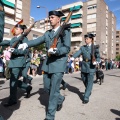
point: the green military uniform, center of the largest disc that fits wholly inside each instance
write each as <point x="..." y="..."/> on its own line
<point x="16" y="64"/>
<point x="2" y="14"/>
<point x="25" y="70"/>
<point x="54" y="68"/>
<point x="106" y="64"/>
<point x="87" y="69"/>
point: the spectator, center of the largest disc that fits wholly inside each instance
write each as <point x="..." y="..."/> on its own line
<point x="7" y="56"/>
<point x="34" y="64"/>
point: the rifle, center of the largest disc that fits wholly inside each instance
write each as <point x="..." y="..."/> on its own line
<point x="23" y="35"/>
<point x="61" y="29"/>
<point x="93" y="51"/>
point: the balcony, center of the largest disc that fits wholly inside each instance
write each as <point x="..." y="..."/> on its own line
<point x="76" y="30"/>
<point x="9" y="10"/>
<point x="92" y="2"/>
<point x="74" y="39"/>
<point x="76" y="21"/>
<point x="73" y="4"/>
<point x="91" y="20"/>
<point x="91" y="29"/>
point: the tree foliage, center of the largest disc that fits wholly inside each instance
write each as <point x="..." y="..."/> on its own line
<point x="118" y="57"/>
<point x="40" y="47"/>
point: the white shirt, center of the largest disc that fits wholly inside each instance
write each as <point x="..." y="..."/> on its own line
<point x="56" y="29"/>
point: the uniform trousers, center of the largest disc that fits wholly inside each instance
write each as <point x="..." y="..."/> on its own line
<point x="52" y="86"/>
<point x="14" y="83"/>
<point x="25" y="75"/>
<point x="88" y="82"/>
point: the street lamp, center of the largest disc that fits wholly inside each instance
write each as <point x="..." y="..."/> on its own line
<point x="46" y="13"/>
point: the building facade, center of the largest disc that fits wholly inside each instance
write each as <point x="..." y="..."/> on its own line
<point x="15" y="10"/>
<point x="92" y="16"/>
<point x="117" y="42"/>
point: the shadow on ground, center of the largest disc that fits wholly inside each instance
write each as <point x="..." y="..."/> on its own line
<point x="76" y="91"/>
<point x="44" y="98"/>
<point x="115" y="112"/>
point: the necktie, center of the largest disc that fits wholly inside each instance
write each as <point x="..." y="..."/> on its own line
<point x="52" y="33"/>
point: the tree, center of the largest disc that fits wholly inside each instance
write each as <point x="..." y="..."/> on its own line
<point x="118" y="57"/>
<point x="40" y="47"/>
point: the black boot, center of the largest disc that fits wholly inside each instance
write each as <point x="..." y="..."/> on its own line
<point x="28" y="90"/>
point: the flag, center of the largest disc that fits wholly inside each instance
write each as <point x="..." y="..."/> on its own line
<point x="13" y="30"/>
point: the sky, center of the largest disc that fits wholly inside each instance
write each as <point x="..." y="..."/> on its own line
<point x="48" y="5"/>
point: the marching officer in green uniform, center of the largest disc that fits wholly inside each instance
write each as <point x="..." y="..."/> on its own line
<point x="16" y="64"/>
<point x="106" y="64"/>
<point x="2" y="14"/>
<point x="55" y="64"/>
<point x="88" y="68"/>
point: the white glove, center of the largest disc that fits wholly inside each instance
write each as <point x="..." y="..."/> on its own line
<point x="95" y="63"/>
<point x="23" y="46"/>
<point x="11" y="49"/>
<point x="51" y="51"/>
<point x="55" y="49"/>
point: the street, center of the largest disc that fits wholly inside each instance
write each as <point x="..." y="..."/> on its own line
<point x="104" y="101"/>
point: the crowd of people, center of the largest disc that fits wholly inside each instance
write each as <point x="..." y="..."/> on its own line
<point x="36" y="61"/>
<point x="37" y="58"/>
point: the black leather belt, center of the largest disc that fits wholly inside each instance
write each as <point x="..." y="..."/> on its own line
<point x="1" y="8"/>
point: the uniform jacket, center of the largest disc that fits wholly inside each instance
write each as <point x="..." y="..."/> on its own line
<point x="85" y="51"/>
<point x="28" y="58"/>
<point x="2" y="14"/>
<point x="18" y="56"/>
<point x="54" y="63"/>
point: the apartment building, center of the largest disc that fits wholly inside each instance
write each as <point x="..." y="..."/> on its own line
<point x="117" y="42"/>
<point x="100" y="20"/>
<point x="15" y="10"/>
<point x="92" y="16"/>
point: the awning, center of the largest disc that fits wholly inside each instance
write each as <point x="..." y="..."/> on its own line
<point x="7" y="3"/>
<point x="76" y="16"/>
<point x="76" y="25"/>
<point x="76" y="8"/>
<point x="73" y="17"/>
<point x="63" y="18"/>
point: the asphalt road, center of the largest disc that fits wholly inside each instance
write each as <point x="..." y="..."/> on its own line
<point x="104" y="102"/>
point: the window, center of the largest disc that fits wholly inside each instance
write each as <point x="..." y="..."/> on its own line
<point x="92" y="7"/>
<point x="91" y="25"/>
<point x="117" y="36"/>
<point x="117" y="44"/>
<point x="117" y="32"/>
<point x="117" y="48"/>
<point x="91" y="16"/>
<point x="18" y="15"/>
<point x="117" y="52"/>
